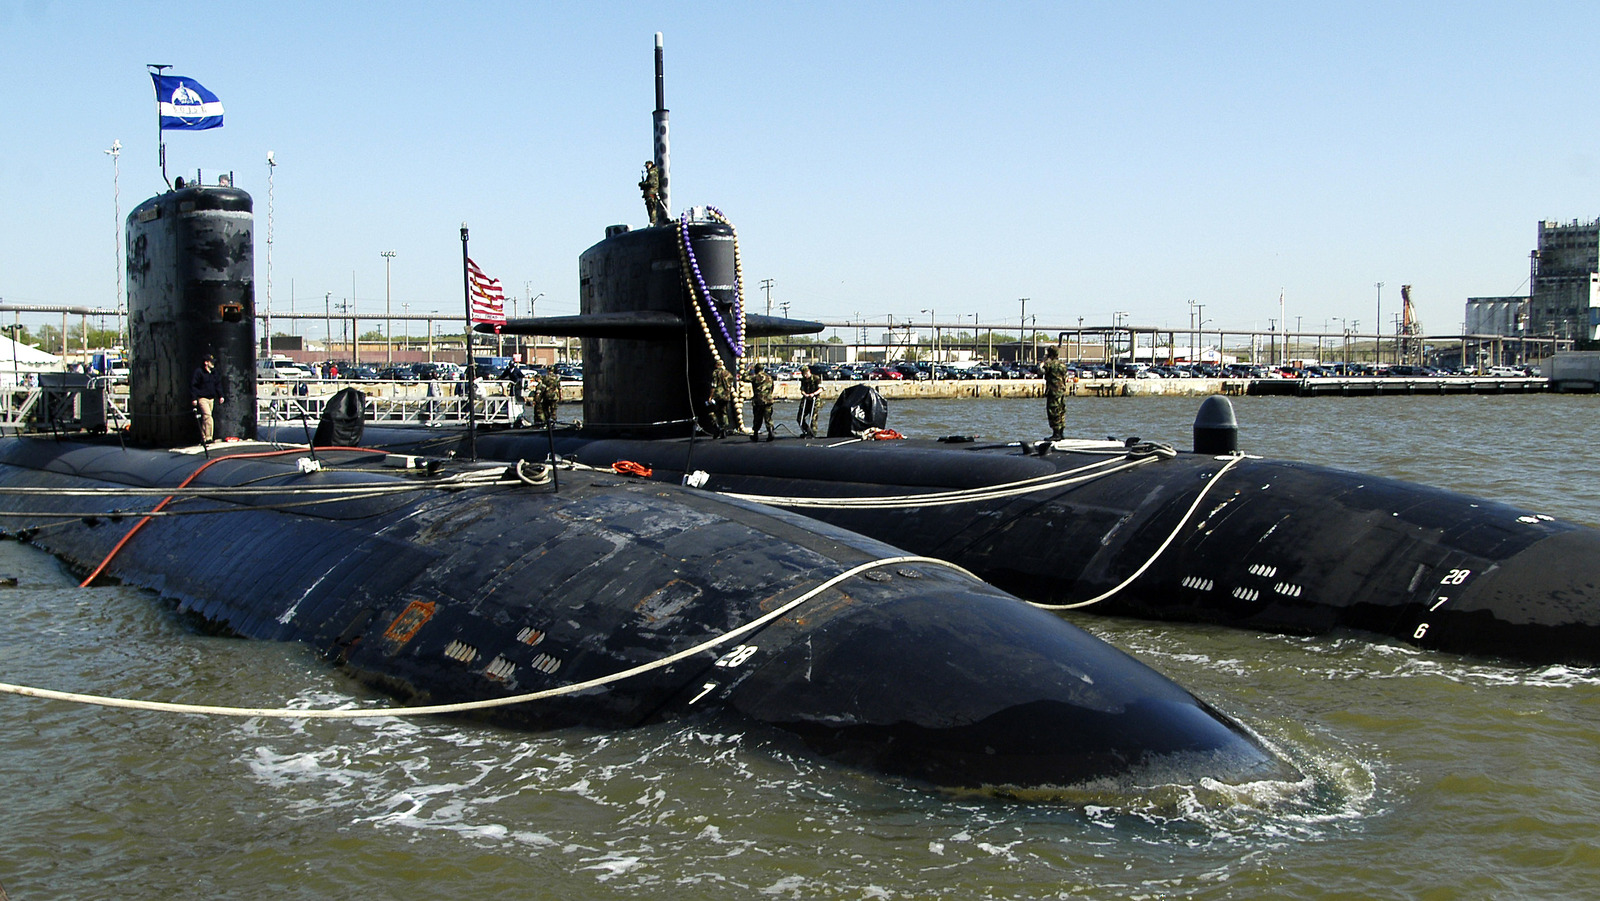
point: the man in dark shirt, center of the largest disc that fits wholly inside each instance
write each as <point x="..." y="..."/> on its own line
<point x="810" y="394"/>
<point x="205" y="388"/>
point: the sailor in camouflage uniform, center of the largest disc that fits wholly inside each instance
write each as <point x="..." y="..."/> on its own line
<point x="722" y="409"/>
<point x="1055" y="394"/>
<point x="532" y="390"/>
<point x="760" y="401"/>
<point x="810" y="398"/>
<point x="549" y="395"/>
<point x="650" y="186"/>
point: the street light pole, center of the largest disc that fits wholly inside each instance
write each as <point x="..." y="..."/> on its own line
<point x="531" y="307"/>
<point x="272" y="166"/>
<point x="116" y="232"/>
<point x="388" y="310"/>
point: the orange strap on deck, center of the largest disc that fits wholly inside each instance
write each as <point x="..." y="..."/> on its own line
<point x="630" y="468"/>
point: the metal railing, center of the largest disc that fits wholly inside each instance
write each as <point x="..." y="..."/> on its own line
<point x="281" y="406"/>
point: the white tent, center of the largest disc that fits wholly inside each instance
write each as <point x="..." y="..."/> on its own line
<point x="27" y="359"/>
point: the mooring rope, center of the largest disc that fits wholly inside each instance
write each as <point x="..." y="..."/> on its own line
<point x="956" y="496"/>
<point x="466" y="706"/>
<point x="1172" y="536"/>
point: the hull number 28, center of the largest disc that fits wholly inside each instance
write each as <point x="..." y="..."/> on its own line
<point x="1453" y="577"/>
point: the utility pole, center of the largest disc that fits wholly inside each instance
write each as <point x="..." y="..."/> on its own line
<point x="1022" y="325"/>
<point x="327" y="325"/>
<point x="388" y="311"/>
<point x="766" y="285"/>
<point x="1285" y="320"/>
<point x="1377" y="328"/>
<point x="1192" y="338"/>
<point x="344" y="324"/>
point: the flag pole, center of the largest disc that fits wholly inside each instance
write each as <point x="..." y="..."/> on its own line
<point x="472" y="371"/>
<point x="161" y="135"/>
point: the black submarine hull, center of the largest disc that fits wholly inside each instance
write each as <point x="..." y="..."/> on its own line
<point x="1230" y="540"/>
<point x="469" y="583"/>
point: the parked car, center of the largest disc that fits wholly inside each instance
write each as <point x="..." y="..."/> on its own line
<point x="1407" y="371"/>
<point x="396" y="374"/>
<point x="279" y="370"/>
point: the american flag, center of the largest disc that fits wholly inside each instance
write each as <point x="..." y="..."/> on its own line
<point x="488" y="301"/>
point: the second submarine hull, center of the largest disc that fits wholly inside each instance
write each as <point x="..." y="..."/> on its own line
<point x="1271" y="545"/>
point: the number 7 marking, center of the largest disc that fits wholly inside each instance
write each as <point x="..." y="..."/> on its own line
<point x="704" y="690"/>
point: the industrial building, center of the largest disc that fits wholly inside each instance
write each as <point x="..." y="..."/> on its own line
<point x="1564" y="293"/>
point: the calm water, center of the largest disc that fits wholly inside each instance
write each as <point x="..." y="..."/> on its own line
<point x="1431" y="776"/>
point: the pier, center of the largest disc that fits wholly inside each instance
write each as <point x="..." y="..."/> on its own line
<point x="407" y="403"/>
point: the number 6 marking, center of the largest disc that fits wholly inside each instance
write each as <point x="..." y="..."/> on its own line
<point x="1421" y="631"/>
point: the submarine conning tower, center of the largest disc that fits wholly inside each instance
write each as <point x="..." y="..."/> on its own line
<point x="644" y="381"/>
<point x="661" y="309"/>
<point x="191" y="292"/>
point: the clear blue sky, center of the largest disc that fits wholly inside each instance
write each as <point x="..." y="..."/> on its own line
<point x="876" y="158"/>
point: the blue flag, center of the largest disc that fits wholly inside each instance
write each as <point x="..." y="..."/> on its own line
<point x="185" y="103"/>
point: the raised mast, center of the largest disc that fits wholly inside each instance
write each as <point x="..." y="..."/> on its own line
<point x="663" y="146"/>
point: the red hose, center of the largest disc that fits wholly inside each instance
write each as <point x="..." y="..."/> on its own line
<point x="168" y="499"/>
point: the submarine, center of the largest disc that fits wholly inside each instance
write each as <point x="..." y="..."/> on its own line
<point x="1134" y="529"/>
<point x="545" y="597"/>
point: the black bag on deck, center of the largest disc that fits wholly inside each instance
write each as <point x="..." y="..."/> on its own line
<point x="858" y="408"/>
<point x="342" y="420"/>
